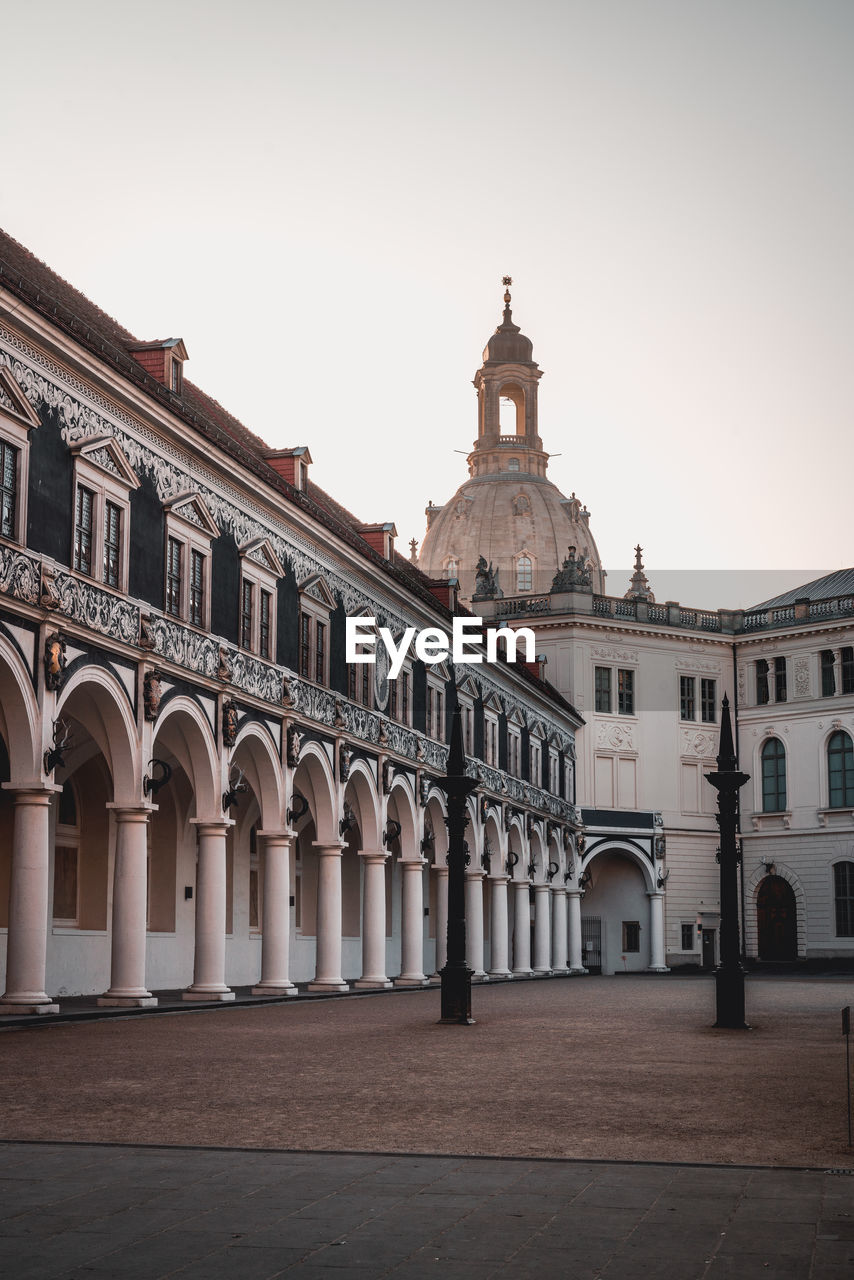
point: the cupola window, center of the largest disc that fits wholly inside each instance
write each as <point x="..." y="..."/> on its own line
<point x="513" y="464"/>
<point x="524" y="574"/>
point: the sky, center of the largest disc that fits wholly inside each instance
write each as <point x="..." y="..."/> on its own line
<point x="321" y="200"/>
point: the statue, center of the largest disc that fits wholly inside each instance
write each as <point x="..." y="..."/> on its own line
<point x="229" y="723"/>
<point x="338" y="721"/>
<point x="146" y="635"/>
<point x="345" y="755"/>
<point x="486" y="581"/>
<point x="49" y="592"/>
<point x="224" y="670"/>
<point x="574" y="575"/>
<point x="55" y="661"/>
<point x="294" y="744"/>
<point x="287" y="696"/>
<point x="152" y="692"/>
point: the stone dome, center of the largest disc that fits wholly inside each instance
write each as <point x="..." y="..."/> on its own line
<point x="508" y="518"/>
<point x="508" y="345"/>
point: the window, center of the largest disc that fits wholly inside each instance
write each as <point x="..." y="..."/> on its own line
<point x="197" y="588"/>
<point x="828" y="677"/>
<point x="452" y="568"/>
<point x="513" y="464"/>
<point x="490" y="733"/>
<point x="189" y="533"/>
<point x="260" y="570"/>
<point x="687" y="698"/>
<point x="84" y="509"/>
<point x="536" y="762"/>
<point x="176" y="378"/>
<point x="514" y="749"/>
<point x="603" y="689"/>
<point x="773" y="776"/>
<point x="843" y="892"/>
<point x="708" y="701"/>
<point x="848" y="669"/>
<point x="780" y="679"/>
<point x="8" y="488"/>
<point x="404" y="696"/>
<point x="554" y="773"/>
<point x="315" y="605"/>
<point x="16" y="419"/>
<point x="762" y="696"/>
<point x="840" y="770"/>
<point x="631" y="935"/>
<point x="524" y="573"/>
<point x="688" y="935"/>
<point x="103" y="480"/>
<point x="625" y="692"/>
<point x="247" y="597"/>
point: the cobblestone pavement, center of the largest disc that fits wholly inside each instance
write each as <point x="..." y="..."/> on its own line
<point x="141" y="1213"/>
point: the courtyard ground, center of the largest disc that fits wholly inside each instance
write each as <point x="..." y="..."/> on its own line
<point x="604" y="1068"/>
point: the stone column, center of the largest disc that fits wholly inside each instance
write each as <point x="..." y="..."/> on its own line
<point x="542" y="929"/>
<point x="26" y="953"/>
<point x="521" y="930"/>
<point x="327" y="975"/>
<point x="656" y="933"/>
<point x="130" y="899"/>
<point x="276" y="917"/>
<point x="576" y="964"/>
<point x="412" y="925"/>
<point x="499" y="966"/>
<point x="209" y="963"/>
<point x="441" y="870"/>
<point x="373" y="920"/>
<point x="558" y="929"/>
<point x="474" y="922"/>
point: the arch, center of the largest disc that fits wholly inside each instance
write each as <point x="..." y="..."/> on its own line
<point x="516" y="846"/>
<point x="313" y="779"/>
<point x="492" y="832"/>
<point x="360" y="792"/>
<point x="184" y="732"/>
<point x="776" y="919"/>
<point x="255" y="752"/>
<point x="96" y="699"/>
<point x="524" y="567"/>
<point x="401" y="806"/>
<point x="538" y="855"/>
<point x="435" y="812"/>
<point x="752" y="886"/>
<point x="19" y="717"/>
<point x="511" y="421"/>
<point x="840" y="770"/>
<point x="628" y="851"/>
<point x="772" y="773"/>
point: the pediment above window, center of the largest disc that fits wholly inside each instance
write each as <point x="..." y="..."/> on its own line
<point x="493" y="703"/>
<point x="439" y="671"/>
<point x="316" y="589"/>
<point x="192" y="508"/>
<point x="468" y="687"/>
<point x="13" y="403"/>
<point x="261" y="551"/>
<point x="536" y="730"/>
<point x="103" y="452"/>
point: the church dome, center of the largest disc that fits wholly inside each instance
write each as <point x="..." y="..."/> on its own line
<point x="519" y="523"/>
<point x="508" y="512"/>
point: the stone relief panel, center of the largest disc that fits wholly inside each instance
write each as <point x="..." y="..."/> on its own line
<point x="20" y="575"/>
<point x="802" y="676"/>
<point x="699" y="742"/>
<point x="611" y="653"/>
<point x="614" y="737"/>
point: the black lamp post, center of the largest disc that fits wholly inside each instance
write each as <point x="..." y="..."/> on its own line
<point x="729" y="975"/>
<point x="456" y="975"/>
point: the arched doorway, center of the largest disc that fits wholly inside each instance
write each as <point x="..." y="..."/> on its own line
<point x="777" y="920"/>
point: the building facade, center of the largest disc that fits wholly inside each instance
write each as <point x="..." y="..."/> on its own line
<point x="199" y="791"/>
<point x="648" y="679"/>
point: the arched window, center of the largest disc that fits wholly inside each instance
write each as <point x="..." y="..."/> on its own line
<point x="524" y="574"/>
<point x="773" y="776"/>
<point x="843" y="895"/>
<point x="840" y="770"/>
<point x="452" y="567"/>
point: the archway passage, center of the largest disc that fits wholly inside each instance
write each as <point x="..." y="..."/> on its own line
<point x="777" y="920"/>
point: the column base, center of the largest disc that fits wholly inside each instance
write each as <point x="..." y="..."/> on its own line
<point x="275" y="989"/>
<point x="542" y="973"/>
<point x="417" y="980"/>
<point x="329" y="986"/>
<point x="13" y="1006"/>
<point x="658" y="968"/>
<point x="523" y="973"/>
<point x="373" y="984"/>
<point x="194" y="994"/>
<point x="573" y="973"/>
<point x="148" y="1001"/>
<point x="435" y="979"/>
<point x="500" y="973"/>
<point x="480" y="976"/>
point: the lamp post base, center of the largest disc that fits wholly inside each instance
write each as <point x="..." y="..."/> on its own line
<point x="456" y="996"/>
<point x="729" y="999"/>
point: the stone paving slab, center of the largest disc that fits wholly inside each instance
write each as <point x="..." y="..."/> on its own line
<point x="145" y="1213"/>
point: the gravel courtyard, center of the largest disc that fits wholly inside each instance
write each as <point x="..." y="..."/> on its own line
<point x="594" y="1068"/>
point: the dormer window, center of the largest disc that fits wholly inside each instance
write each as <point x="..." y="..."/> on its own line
<point x="379" y="536"/>
<point x="103" y="480"/>
<point x="190" y="529"/>
<point x="291" y="464"/>
<point x="260" y="570"/>
<point x="176" y="380"/>
<point x="164" y="360"/>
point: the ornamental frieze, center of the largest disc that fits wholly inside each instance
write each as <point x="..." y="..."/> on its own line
<point x="96" y="609"/>
<point x="20" y="575"/>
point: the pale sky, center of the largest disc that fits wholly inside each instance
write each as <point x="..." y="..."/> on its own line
<point x="321" y="200"/>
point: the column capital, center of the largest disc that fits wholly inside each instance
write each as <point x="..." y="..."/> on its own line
<point x="131" y="813"/>
<point x="35" y="794"/>
<point x="475" y="873"/>
<point x="501" y="878"/>
<point x="328" y="850"/>
<point x="655" y="893"/>
<point x="212" y="827"/>
<point x="374" y="855"/>
<point x="420" y="863"/>
<point x="558" y="889"/>
<point x="280" y="837"/>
